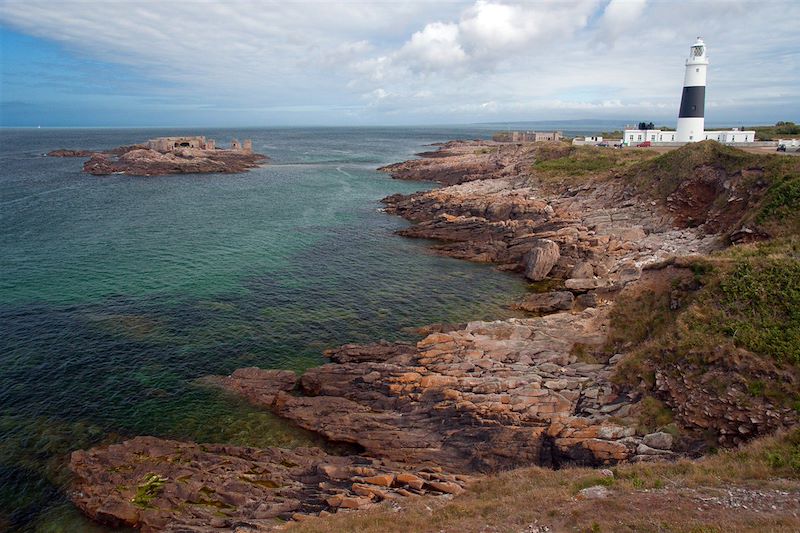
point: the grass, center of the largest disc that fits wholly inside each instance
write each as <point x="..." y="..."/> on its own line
<point x="644" y="497"/>
<point x="758" y="307"/>
<point x="572" y="164"/>
<point x="781" y="206"/>
<point x="744" y="298"/>
<point x="781" y="130"/>
<point x="661" y="176"/>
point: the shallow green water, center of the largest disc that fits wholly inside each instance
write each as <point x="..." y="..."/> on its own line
<point x="117" y="293"/>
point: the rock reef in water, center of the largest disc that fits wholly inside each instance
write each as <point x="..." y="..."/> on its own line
<point x="139" y="160"/>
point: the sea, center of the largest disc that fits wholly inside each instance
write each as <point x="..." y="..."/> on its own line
<point x="117" y="293"/>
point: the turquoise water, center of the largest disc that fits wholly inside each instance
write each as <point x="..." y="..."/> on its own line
<point x="118" y="292"/>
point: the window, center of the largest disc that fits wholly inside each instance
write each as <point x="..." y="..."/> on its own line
<point x="691" y="137"/>
<point x="640" y="137"/>
<point x="697" y="69"/>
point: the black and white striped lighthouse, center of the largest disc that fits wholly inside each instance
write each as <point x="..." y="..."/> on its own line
<point x="691" y="121"/>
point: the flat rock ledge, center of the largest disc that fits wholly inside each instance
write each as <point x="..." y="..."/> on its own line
<point x="488" y="397"/>
<point x="164" y="485"/>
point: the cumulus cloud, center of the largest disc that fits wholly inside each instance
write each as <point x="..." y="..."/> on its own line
<point x="426" y="61"/>
<point x="433" y="48"/>
<point x="489" y="32"/>
<point x="621" y="16"/>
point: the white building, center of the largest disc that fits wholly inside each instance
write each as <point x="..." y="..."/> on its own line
<point x="634" y="137"/>
<point x="691" y="117"/>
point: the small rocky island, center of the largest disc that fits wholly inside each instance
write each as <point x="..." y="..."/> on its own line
<point x="169" y="155"/>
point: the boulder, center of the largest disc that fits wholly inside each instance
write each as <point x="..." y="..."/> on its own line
<point x="598" y="492"/>
<point x="659" y="440"/>
<point x="541" y="259"/>
<point x="583" y="269"/>
<point x="585" y="284"/>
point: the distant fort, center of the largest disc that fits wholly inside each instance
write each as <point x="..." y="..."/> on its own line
<point x="168" y="144"/>
<point x="526" y="136"/>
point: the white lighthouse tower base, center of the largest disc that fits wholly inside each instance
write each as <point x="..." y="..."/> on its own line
<point x="690" y="129"/>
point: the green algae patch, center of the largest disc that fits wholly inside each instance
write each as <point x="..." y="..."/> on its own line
<point x="152" y="485"/>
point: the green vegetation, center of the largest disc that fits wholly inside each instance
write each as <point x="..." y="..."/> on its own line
<point x="744" y="298"/>
<point x="151" y="486"/>
<point x="782" y="205"/>
<point x="662" y="175"/>
<point x="781" y="130"/>
<point x="758" y="306"/>
<point x="569" y="165"/>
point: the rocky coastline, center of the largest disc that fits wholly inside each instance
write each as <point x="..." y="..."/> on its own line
<point x="469" y="399"/>
<point x="139" y="160"/>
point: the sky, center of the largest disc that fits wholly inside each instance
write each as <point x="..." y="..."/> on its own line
<point x="274" y="63"/>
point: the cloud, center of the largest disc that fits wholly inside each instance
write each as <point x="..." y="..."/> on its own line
<point x="433" y="48"/>
<point x="487" y="33"/>
<point x="422" y="61"/>
<point x="619" y="17"/>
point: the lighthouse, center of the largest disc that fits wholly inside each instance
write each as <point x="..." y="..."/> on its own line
<point x="691" y="121"/>
<point x="691" y="118"/>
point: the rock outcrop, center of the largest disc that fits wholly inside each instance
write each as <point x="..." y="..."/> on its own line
<point x="138" y="160"/>
<point x="490" y="396"/>
<point x="162" y="485"/>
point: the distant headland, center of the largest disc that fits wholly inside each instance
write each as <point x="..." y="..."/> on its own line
<point x="169" y="155"/>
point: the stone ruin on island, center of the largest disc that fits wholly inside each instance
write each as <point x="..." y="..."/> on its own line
<point x="169" y="144"/>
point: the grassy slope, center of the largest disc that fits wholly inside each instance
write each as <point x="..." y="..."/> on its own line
<point x="682" y="496"/>
<point x="768" y="183"/>
<point x="745" y="297"/>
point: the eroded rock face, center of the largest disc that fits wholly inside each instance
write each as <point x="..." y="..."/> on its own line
<point x="163" y="485"/>
<point x="733" y="414"/>
<point x="489" y="396"/>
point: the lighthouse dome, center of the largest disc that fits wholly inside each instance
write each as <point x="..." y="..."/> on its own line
<point x="697" y="53"/>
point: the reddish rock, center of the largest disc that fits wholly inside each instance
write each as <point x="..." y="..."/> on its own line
<point x="220" y="485"/>
<point x="137" y="160"/>
<point x="541" y="259"/>
<point x="546" y="302"/>
<point x="257" y="385"/>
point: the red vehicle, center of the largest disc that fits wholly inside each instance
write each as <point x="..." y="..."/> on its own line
<point x="645" y="144"/>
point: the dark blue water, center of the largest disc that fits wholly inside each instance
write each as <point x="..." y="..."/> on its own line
<point x="118" y="292"/>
